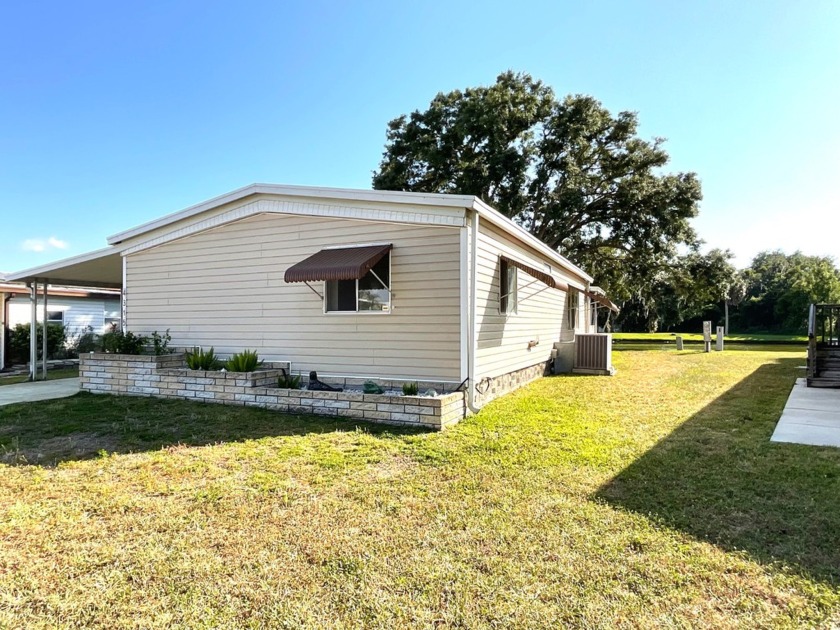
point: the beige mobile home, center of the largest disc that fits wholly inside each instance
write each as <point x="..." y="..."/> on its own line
<point x="354" y="285"/>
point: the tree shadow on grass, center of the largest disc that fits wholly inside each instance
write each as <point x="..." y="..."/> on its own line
<point x="720" y="479"/>
<point x="82" y="426"/>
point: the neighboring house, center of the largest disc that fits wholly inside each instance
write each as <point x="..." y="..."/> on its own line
<point x="353" y="284"/>
<point x="75" y="308"/>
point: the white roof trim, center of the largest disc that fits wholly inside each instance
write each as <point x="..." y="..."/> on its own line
<point x="273" y="206"/>
<point x="45" y="270"/>
<point x="497" y="218"/>
<point x="347" y="194"/>
<point x="381" y="196"/>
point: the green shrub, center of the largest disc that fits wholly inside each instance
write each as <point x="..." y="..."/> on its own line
<point x="121" y="342"/>
<point x="410" y="389"/>
<point x="19" y="340"/>
<point x="245" y="361"/>
<point x="289" y="381"/>
<point x="87" y="341"/>
<point x="161" y="343"/>
<point x="201" y="360"/>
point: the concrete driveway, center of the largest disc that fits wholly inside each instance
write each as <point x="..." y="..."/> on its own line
<point x="39" y="390"/>
<point x="811" y="416"/>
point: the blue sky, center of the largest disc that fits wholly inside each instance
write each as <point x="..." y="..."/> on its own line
<point x="112" y="114"/>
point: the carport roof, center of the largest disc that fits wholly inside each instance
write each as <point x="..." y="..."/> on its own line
<point x="100" y="268"/>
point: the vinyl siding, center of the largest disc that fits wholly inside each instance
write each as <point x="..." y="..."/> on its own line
<point x="79" y="313"/>
<point x="541" y="315"/>
<point x="224" y="288"/>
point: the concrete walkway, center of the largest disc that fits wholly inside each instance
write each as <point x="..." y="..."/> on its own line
<point x="39" y="390"/>
<point x="811" y="416"/>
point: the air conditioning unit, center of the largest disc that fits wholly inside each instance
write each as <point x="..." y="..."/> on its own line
<point x="593" y="354"/>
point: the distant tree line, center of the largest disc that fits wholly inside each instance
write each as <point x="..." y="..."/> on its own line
<point x="771" y="295"/>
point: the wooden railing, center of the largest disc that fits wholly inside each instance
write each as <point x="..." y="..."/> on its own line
<point x="824" y="324"/>
<point x="823" y="332"/>
<point x="812" y="342"/>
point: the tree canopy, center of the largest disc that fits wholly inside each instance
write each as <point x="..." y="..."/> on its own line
<point x="779" y="289"/>
<point x="567" y="170"/>
<point x="771" y="295"/>
<point x="692" y="286"/>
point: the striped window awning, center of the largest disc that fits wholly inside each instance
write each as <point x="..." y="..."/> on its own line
<point x="603" y="300"/>
<point x="340" y="263"/>
<point x="542" y="276"/>
<point x="551" y="281"/>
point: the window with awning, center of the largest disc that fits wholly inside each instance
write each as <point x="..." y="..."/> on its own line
<point x="508" y="297"/>
<point x="356" y="279"/>
<point x="542" y="276"/>
<point x="603" y="300"/>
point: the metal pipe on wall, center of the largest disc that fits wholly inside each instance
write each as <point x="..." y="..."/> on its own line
<point x="472" y="405"/>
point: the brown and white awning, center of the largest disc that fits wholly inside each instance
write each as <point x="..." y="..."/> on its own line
<point x="340" y="263"/>
<point x="603" y="300"/>
<point x="542" y="276"/>
<point x="549" y="280"/>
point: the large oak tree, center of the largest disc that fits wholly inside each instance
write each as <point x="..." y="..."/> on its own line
<point x="569" y="171"/>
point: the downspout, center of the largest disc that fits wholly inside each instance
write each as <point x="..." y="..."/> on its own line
<point x="472" y="348"/>
<point x="123" y="296"/>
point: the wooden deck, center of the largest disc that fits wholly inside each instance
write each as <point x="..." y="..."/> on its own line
<point x="824" y="346"/>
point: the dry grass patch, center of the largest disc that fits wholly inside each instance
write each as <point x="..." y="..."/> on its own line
<point x="650" y="498"/>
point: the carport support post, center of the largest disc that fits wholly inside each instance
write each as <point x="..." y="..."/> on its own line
<point x="33" y="331"/>
<point x="2" y="331"/>
<point x="44" y="336"/>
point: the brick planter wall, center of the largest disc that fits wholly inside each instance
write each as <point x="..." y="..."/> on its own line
<point x="166" y="377"/>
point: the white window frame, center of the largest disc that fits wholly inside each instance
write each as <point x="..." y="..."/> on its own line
<point x="357" y="311"/>
<point x="512" y="296"/>
<point x="54" y="321"/>
<point x="572" y="305"/>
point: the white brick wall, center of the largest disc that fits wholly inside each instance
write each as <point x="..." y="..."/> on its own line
<point x="165" y="377"/>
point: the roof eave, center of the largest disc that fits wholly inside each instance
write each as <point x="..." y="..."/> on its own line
<point x="500" y="220"/>
<point x="381" y="196"/>
<point x="44" y="271"/>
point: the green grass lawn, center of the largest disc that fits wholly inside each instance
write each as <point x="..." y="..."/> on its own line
<point x="51" y="375"/>
<point x="649" y="499"/>
<point x="757" y="338"/>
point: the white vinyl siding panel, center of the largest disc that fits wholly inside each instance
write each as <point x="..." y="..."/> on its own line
<point x="224" y="288"/>
<point x="503" y="339"/>
<point x="79" y="313"/>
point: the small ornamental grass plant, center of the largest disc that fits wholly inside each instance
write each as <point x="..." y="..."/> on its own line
<point x="245" y="361"/>
<point x="289" y="381"/>
<point x="410" y="389"/>
<point x="204" y="360"/>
